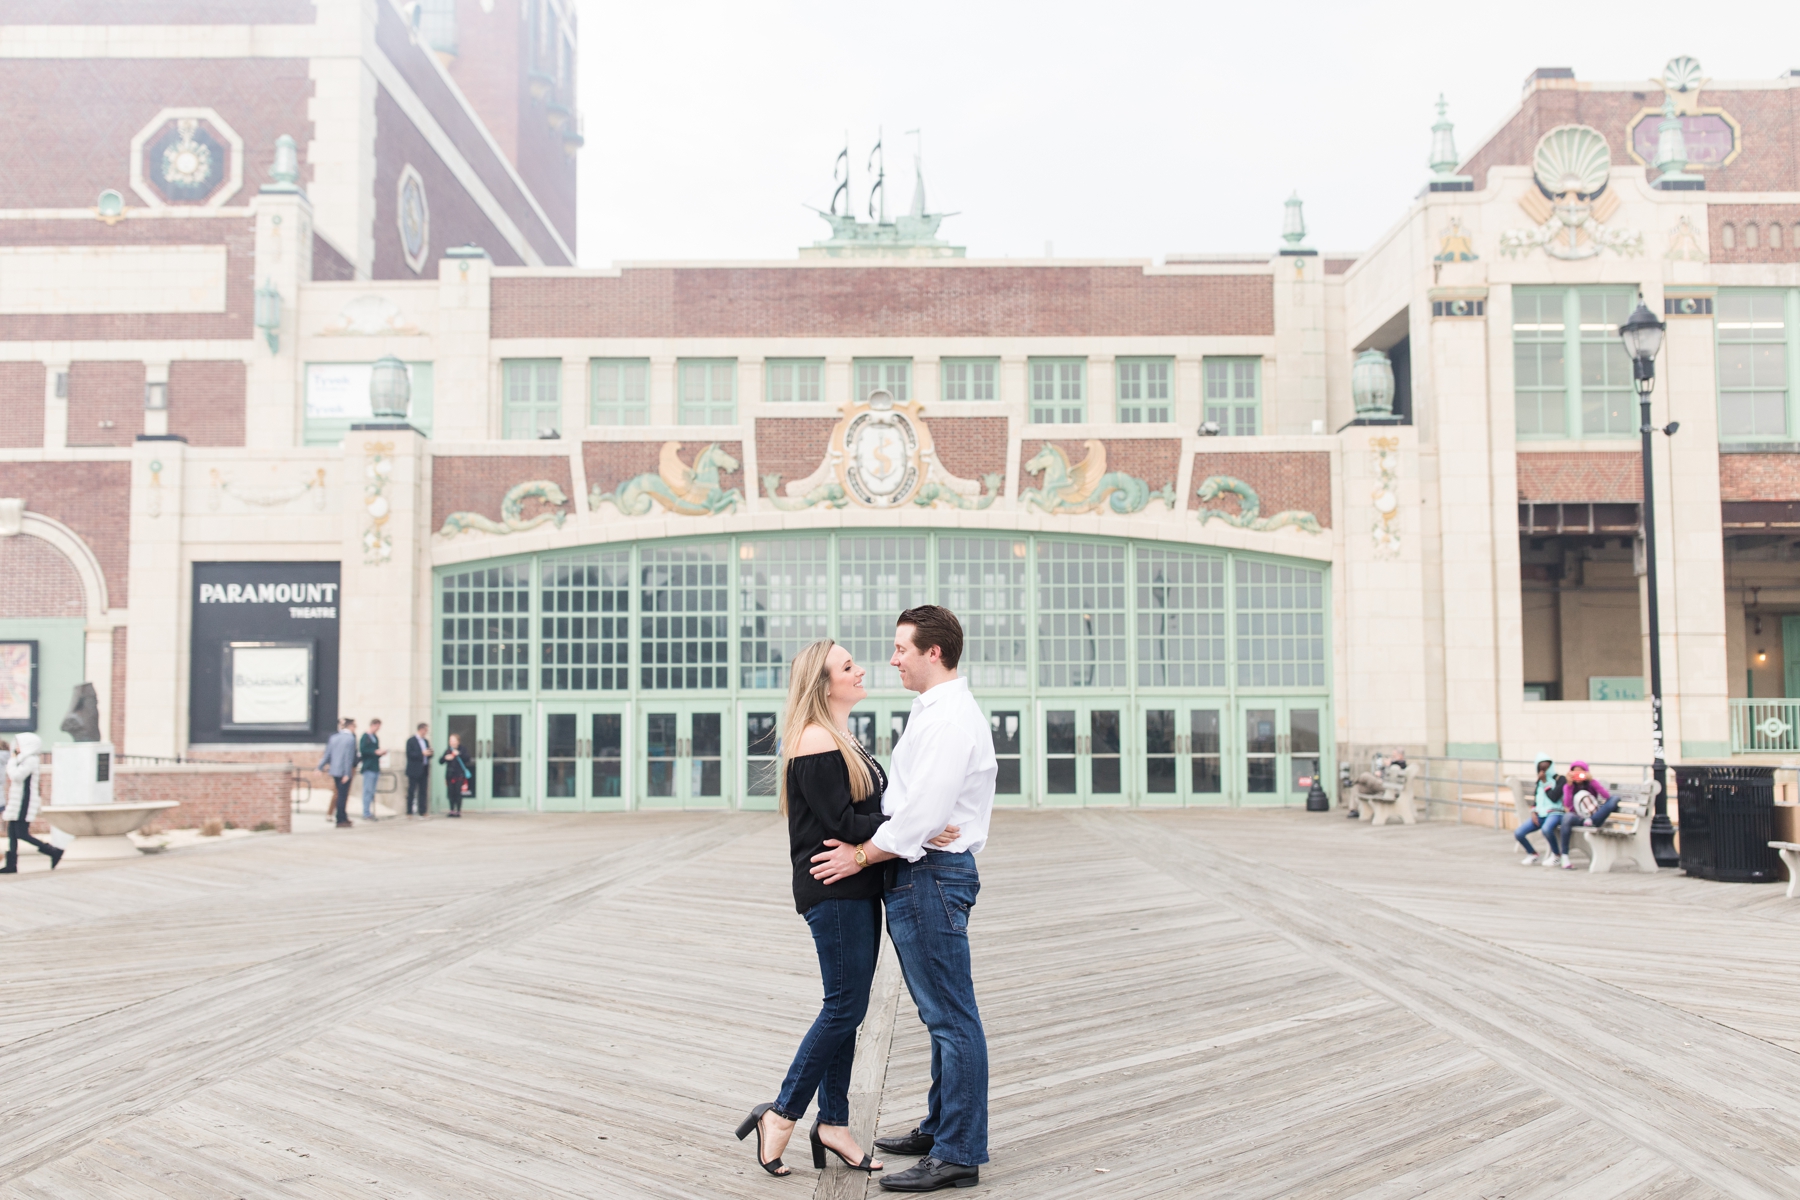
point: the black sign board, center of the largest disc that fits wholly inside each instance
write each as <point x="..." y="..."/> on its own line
<point x="263" y="659"/>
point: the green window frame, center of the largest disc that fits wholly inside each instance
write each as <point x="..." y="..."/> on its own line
<point x="1571" y="375"/>
<point x="970" y="378"/>
<point x="1058" y="390"/>
<point x="1233" y="395"/>
<point x="1146" y="390"/>
<point x="484" y="642"/>
<point x="1758" y="363"/>
<point x="619" y="391"/>
<point x="532" y="398"/>
<point x="707" y="392"/>
<point x="893" y="374"/>
<point x="794" y="380"/>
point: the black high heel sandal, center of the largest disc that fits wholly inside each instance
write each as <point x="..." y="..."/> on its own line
<point x="819" y="1148"/>
<point x="754" y="1121"/>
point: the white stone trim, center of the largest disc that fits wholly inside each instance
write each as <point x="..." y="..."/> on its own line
<point x="234" y="180"/>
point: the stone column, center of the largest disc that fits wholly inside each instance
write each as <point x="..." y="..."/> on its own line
<point x="384" y="612"/>
<point x="156" y="695"/>
<point x="463" y="404"/>
<point x="273" y="402"/>
<point x="1294" y="395"/>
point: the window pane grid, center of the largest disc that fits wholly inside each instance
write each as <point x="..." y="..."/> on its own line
<point x="982" y="581"/>
<point x="784" y="603"/>
<point x="621" y="392"/>
<point x="486" y="630"/>
<point x="893" y="375"/>
<point x="971" y="380"/>
<point x="1144" y="391"/>
<point x="584" y="622"/>
<point x="533" y="399"/>
<point x="1753" y="364"/>
<point x="1180" y="619"/>
<point x="1081" y="614"/>
<point x="1233" y="392"/>
<point x="1280" y="625"/>
<point x="1608" y="397"/>
<point x="1058" y="391"/>
<point x="878" y="579"/>
<point x="797" y="382"/>
<point x="708" y="392"/>
<point x="682" y="615"/>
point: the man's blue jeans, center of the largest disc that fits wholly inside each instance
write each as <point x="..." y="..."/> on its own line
<point x="370" y="778"/>
<point x="847" y="935"/>
<point x="928" y="905"/>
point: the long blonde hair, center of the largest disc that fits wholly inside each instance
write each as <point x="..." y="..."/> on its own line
<point x="809" y="703"/>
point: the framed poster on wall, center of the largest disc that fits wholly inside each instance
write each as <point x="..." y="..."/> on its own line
<point x="18" y="687"/>
<point x="267" y="687"/>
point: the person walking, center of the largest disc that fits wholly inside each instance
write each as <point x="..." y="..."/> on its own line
<point x="943" y="774"/>
<point x="339" y="760"/>
<point x="459" y="775"/>
<point x="23" y="801"/>
<point x="418" y="771"/>
<point x="368" y="751"/>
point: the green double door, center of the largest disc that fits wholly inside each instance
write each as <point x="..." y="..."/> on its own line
<point x="498" y="739"/>
<point x="585" y="752"/>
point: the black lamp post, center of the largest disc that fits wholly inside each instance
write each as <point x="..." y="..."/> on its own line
<point x="1642" y="334"/>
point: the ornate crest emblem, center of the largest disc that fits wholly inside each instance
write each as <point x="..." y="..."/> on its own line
<point x="186" y="156"/>
<point x="1571" y="203"/>
<point x="414" y="218"/>
<point x="881" y="456"/>
<point x="186" y="160"/>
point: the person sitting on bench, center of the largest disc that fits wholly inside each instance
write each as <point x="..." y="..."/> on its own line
<point x="1373" y="783"/>
<point x="1548" y="814"/>
<point x="1587" y="798"/>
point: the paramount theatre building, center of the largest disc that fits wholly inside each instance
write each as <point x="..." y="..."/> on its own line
<point x="332" y="425"/>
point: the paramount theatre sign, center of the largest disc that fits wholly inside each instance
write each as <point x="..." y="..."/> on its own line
<point x="264" y="655"/>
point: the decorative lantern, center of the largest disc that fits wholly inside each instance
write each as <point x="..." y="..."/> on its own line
<point x="286" y="171"/>
<point x="1372" y="384"/>
<point x="390" y="389"/>
<point x="268" y="314"/>
<point x="1293" y="223"/>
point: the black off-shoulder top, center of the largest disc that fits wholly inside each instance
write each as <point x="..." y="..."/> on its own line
<point x="819" y="807"/>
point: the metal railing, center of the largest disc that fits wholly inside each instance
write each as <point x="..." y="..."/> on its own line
<point x="1765" y="726"/>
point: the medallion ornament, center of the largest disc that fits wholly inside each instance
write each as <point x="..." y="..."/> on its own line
<point x="1571" y="203"/>
<point x="880" y="455"/>
<point x="186" y="157"/>
<point x="414" y="217"/>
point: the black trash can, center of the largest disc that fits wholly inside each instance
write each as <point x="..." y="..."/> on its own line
<point x="1727" y="819"/>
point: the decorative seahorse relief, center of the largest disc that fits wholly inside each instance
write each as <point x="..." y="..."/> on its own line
<point x="1249" y="514"/>
<point x="936" y="492"/>
<point x="1087" y="485"/>
<point x="690" y="491"/>
<point x="512" y="511"/>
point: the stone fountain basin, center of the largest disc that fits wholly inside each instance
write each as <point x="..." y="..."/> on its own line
<point x="99" y="829"/>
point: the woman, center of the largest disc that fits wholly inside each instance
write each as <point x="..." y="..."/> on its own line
<point x="830" y="788"/>
<point x="459" y="775"/>
<point x="1546" y="814"/>
<point x="22" y="803"/>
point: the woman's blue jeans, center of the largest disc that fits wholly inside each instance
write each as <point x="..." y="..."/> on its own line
<point x="1552" y="824"/>
<point x="847" y="935"/>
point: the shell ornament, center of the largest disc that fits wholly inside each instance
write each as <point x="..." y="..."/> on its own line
<point x="1682" y="74"/>
<point x="1572" y="158"/>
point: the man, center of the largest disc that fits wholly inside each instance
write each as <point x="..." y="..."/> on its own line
<point x="943" y="774"/>
<point x="340" y="760"/>
<point x="1373" y="783"/>
<point x="369" y="751"/>
<point x="418" y="771"/>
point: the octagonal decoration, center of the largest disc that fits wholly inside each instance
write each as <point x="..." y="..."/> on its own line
<point x="187" y="157"/>
<point x="414" y="218"/>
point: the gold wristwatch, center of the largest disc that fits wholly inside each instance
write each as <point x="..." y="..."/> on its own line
<point x="862" y="860"/>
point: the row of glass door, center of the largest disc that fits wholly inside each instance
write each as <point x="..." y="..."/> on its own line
<point x="598" y="757"/>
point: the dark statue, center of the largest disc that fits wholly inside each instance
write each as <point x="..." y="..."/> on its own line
<point x="83" y="721"/>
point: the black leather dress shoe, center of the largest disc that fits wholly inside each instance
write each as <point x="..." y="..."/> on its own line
<point x="931" y="1174"/>
<point x="905" y="1144"/>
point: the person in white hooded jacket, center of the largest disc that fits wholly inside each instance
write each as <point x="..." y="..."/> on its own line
<point x="23" y="801"/>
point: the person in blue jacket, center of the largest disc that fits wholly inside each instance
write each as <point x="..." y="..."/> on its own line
<point x="1549" y="816"/>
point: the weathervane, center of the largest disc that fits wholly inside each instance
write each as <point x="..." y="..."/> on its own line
<point x="842" y="167"/>
<point x="878" y="164"/>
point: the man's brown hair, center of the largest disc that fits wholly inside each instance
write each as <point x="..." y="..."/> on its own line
<point x="934" y="626"/>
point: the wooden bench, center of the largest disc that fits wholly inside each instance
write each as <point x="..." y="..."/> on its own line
<point x="1626" y="833"/>
<point x="1790" y="856"/>
<point x="1396" y="800"/>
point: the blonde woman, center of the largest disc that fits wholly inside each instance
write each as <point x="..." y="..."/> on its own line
<point x="830" y="788"/>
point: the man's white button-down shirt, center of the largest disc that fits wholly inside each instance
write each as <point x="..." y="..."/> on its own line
<point x="942" y="774"/>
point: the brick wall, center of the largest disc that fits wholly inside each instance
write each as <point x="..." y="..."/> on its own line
<point x="1759" y="477"/>
<point x="206" y="402"/>
<point x="93" y="499"/>
<point x="455" y="218"/>
<point x="106" y="403"/>
<point x="883" y="301"/>
<point x="70" y="121"/>
<point x="234" y="233"/>
<point x="1767" y="160"/>
<point x="116" y="719"/>
<point x="1767" y="223"/>
<point x="488" y="67"/>
<point x="792" y="447"/>
<point x="1153" y="460"/>
<point x="162" y="12"/>
<point x="246" y="796"/>
<point x="969" y="447"/>
<point x="478" y="483"/>
<point x="328" y="265"/>
<point x="1290" y="479"/>
<point x="1566" y="477"/>
<point x="38" y="581"/>
<point x="608" y="464"/>
<point x="22" y="404"/>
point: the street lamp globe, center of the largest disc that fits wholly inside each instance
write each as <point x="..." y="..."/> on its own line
<point x="1642" y="334"/>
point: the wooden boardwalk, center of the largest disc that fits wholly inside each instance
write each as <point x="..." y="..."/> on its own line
<point x="1189" y="1003"/>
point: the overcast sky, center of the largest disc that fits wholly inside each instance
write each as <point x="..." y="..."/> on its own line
<point x="1124" y="129"/>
